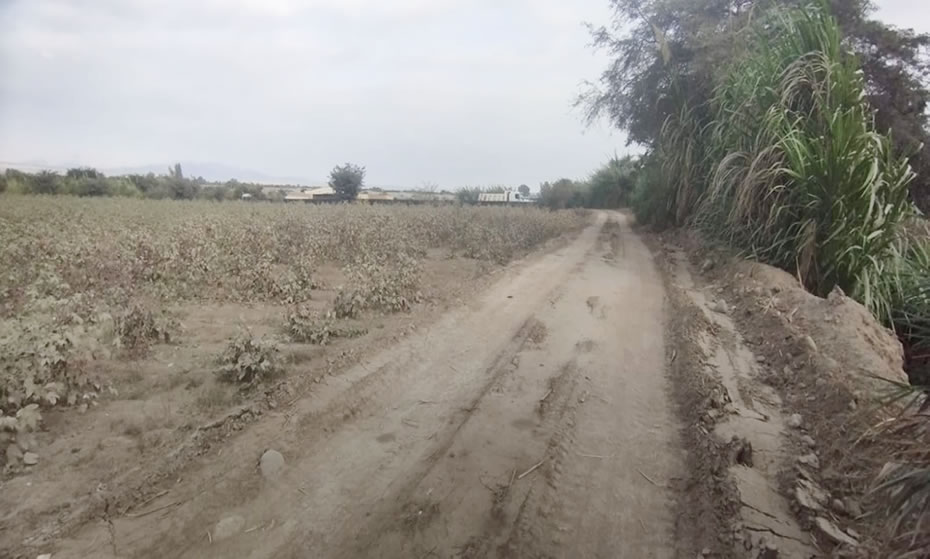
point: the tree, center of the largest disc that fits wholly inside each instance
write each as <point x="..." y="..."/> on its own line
<point x="83" y="173"/>
<point x="524" y="190"/>
<point x="468" y="195"/>
<point x="562" y="194"/>
<point x="347" y="180"/>
<point x="612" y="185"/>
<point x="46" y="182"/>
<point x="666" y="54"/>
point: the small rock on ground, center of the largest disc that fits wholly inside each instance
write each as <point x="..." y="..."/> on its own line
<point x="833" y="533"/>
<point x="810" y="496"/>
<point x="810" y="460"/>
<point x="720" y="306"/>
<point x="228" y="527"/>
<point x="271" y="464"/>
<point x="808" y="441"/>
<point x="810" y="344"/>
<point x="853" y="507"/>
<point x="795" y="421"/>
<point x="30" y="459"/>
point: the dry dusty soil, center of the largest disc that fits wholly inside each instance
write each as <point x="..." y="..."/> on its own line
<point x="542" y="418"/>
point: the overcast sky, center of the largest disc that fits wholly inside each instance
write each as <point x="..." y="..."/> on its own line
<point x="456" y="92"/>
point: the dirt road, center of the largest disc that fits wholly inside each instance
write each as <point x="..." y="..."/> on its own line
<point x="533" y="422"/>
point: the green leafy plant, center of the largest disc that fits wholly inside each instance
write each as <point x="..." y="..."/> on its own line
<point x="248" y="360"/>
<point x="306" y="326"/>
<point x="138" y="327"/>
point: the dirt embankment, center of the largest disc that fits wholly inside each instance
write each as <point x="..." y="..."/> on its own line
<point x="780" y="388"/>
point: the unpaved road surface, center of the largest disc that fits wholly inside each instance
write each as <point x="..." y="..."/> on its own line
<point x="533" y="422"/>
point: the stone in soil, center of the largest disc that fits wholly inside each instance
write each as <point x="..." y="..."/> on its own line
<point x="830" y="531"/>
<point x="795" y="421"/>
<point x="30" y="459"/>
<point x="809" y="496"/>
<point x="810" y="344"/>
<point x="271" y="464"/>
<point x="809" y="460"/>
<point x="808" y="441"/>
<point x="853" y="507"/>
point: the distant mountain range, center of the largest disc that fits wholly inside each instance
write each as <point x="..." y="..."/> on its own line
<point x="213" y="172"/>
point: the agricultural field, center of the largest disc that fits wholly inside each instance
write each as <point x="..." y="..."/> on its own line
<point x="125" y="325"/>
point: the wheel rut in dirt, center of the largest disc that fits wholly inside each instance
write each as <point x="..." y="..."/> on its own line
<point x="532" y="423"/>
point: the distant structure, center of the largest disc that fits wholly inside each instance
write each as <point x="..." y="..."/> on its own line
<point x="326" y="195"/>
<point x="315" y="195"/>
<point x="502" y="198"/>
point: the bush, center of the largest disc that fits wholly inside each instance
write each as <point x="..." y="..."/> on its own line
<point x="651" y="197"/>
<point x="139" y="327"/>
<point x="306" y="326"/>
<point x="248" y="360"/>
<point x="382" y="284"/>
<point x="612" y="185"/>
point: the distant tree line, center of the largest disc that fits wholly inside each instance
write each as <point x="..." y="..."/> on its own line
<point x="610" y="186"/>
<point x="86" y="181"/>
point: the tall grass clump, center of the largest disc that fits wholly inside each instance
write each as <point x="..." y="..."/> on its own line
<point x="803" y="180"/>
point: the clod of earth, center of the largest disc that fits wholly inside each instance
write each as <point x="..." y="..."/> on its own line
<point x="853" y="507"/>
<point x="30" y="459"/>
<point x="810" y="344"/>
<point x="795" y="421"/>
<point x="809" y="496"/>
<point x="271" y="464"/>
<point x="830" y="531"/>
<point x="720" y="306"/>
<point x="809" y="460"/>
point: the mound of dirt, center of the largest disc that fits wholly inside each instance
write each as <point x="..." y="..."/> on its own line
<point x="832" y="363"/>
<point x="856" y="346"/>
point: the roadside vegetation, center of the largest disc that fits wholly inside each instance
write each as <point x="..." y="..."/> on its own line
<point x="791" y="131"/>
